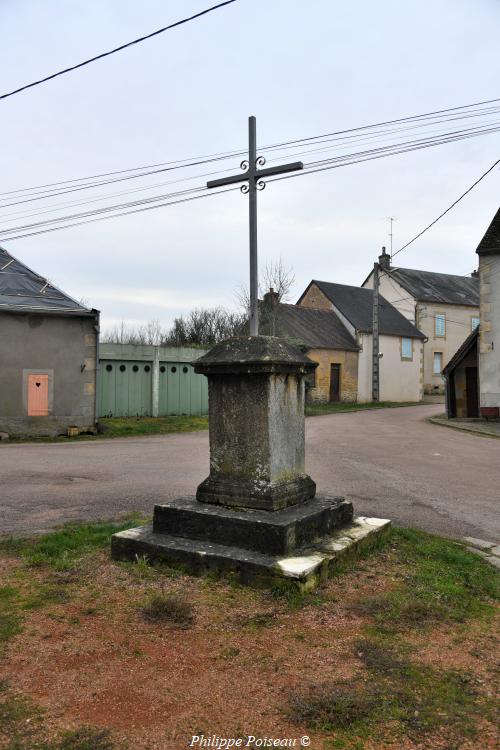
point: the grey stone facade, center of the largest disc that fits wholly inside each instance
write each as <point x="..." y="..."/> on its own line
<point x="58" y="344"/>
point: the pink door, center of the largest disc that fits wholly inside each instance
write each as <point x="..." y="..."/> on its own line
<point x="38" y="395"/>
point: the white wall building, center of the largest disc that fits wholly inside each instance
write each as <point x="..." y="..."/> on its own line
<point x="400" y="342"/>
<point x="445" y="307"/>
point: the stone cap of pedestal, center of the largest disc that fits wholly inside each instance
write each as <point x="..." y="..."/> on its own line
<point x="254" y="355"/>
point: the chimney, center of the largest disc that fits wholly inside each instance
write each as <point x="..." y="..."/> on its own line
<point x="384" y="260"/>
<point x="271" y="298"/>
<point x="475" y="274"/>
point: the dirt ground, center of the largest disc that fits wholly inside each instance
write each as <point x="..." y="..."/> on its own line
<point x="90" y="658"/>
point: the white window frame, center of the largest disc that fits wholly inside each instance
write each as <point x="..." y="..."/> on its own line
<point x="475" y="321"/>
<point x="439" y="317"/>
<point x="440" y="355"/>
<point x="404" y="356"/>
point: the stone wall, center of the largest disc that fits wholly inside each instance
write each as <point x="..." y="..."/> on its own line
<point x="348" y="362"/>
<point x="489" y="349"/>
<point x="62" y="347"/>
<point x="314" y="297"/>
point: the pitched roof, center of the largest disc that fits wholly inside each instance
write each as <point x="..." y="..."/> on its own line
<point x="316" y="329"/>
<point x="462" y="351"/>
<point x="24" y="290"/>
<point x="490" y="244"/>
<point x="356" y="304"/>
<point x="444" y="288"/>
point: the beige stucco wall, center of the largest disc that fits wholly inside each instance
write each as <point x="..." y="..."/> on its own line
<point x="457" y="327"/>
<point x="400" y="380"/>
<point x="422" y="314"/>
<point x="348" y="362"/>
<point x="489" y="349"/>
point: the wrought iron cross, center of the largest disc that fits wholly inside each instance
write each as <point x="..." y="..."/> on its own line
<point x="252" y="176"/>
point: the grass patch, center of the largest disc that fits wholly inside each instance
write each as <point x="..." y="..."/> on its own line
<point x="441" y="582"/>
<point x="85" y="738"/>
<point x="413" y="699"/>
<point x="60" y="549"/>
<point x="330" y="706"/>
<point x="169" y="608"/>
<point x="10" y="622"/>
<point x="315" y="410"/>
<point x="126" y="426"/>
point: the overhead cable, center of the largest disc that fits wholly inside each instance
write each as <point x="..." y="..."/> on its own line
<point x="490" y="169"/>
<point x="116" y="49"/>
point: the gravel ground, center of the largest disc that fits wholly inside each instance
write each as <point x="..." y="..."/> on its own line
<point x="391" y="463"/>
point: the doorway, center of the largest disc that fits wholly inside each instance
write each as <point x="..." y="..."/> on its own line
<point x="334" y="382"/>
<point x="38" y="395"/>
<point x="471" y="391"/>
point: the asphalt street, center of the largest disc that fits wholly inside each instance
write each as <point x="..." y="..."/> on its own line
<point x="390" y="463"/>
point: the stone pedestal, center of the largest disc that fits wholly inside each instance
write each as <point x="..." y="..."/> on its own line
<point x="257" y="512"/>
<point x="256" y="415"/>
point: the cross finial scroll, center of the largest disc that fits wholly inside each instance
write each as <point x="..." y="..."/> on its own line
<point x="252" y="177"/>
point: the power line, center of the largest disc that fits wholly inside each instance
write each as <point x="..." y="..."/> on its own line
<point x="116" y="49"/>
<point x="289" y="145"/>
<point x="331" y="164"/>
<point x="342" y="160"/>
<point x="449" y="207"/>
<point x="124" y="213"/>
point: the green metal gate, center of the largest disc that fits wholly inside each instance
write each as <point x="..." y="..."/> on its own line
<point x="182" y="391"/>
<point x="150" y="381"/>
<point x="125" y="389"/>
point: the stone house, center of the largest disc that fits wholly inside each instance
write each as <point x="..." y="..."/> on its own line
<point x="489" y="355"/>
<point x="443" y="306"/>
<point x="48" y="355"/>
<point x="326" y="341"/>
<point x="400" y="342"/>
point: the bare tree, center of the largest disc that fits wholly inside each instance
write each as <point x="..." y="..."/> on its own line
<point x="205" y="327"/>
<point x="149" y="333"/>
<point x="275" y="276"/>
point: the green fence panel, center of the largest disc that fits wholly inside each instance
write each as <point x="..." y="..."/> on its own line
<point x="125" y="389"/>
<point x="126" y="377"/>
<point x="182" y="391"/>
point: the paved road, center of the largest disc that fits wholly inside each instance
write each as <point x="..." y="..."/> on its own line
<point x="390" y="463"/>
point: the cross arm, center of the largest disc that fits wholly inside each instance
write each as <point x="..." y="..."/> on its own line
<point x="228" y="180"/>
<point x="279" y="169"/>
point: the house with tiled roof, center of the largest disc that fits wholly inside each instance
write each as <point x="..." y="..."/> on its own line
<point x="326" y="340"/>
<point x="400" y="342"/>
<point x="48" y="355"/>
<point x="445" y="307"/>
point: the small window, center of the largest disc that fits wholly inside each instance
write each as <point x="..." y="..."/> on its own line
<point x="174" y="369"/>
<point x="162" y="368"/>
<point x="147" y="368"/>
<point x="475" y="323"/>
<point x="440" y="325"/>
<point x="122" y="368"/>
<point x="438" y="363"/>
<point x="135" y="368"/>
<point x="109" y="368"/>
<point x="184" y="369"/>
<point x="406" y="348"/>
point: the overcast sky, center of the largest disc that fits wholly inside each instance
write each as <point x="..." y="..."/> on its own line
<point x="302" y="68"/>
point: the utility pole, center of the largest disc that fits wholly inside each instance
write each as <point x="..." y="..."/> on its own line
<point x="375" y="337"/>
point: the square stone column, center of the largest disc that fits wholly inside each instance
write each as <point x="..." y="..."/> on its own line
<point x="256" y="414"/>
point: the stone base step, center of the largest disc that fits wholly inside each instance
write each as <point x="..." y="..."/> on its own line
<point x="273" y="533"/>
<point x="306" y="568"/>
